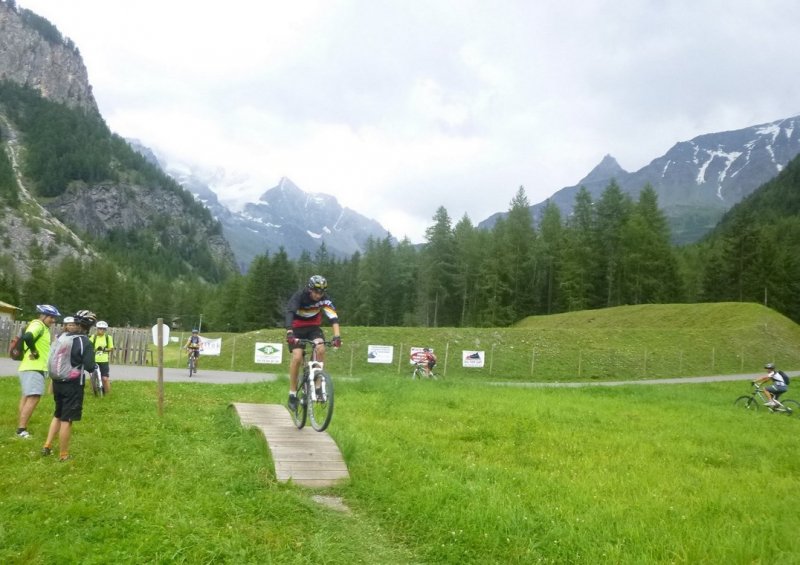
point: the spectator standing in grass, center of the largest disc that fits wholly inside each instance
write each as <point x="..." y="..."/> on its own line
<point x="33" y="367"/>
<point x="68" y="395"/>
<point x="303" y="321"/>
<point x="103" y="344"/>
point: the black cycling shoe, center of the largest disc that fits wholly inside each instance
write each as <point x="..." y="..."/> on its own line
<point x="292" y="403"/>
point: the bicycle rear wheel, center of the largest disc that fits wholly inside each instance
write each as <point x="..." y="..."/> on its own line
<point x="299" y="414"/>
<point x="792" y="407"/>
<point x="747" y="402"/>
<point x="321" y="409"/>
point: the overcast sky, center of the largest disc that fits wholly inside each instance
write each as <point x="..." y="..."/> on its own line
<point x="398" y="107"/>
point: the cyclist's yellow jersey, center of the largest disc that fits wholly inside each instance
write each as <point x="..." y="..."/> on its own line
<point x="104" y="342"/>
<point x="39" y="330"/>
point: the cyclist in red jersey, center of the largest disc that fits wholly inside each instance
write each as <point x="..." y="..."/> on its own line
<point x="303" y="321"/>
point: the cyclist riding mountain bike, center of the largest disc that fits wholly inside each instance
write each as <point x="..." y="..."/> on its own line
<point x="303" y="321"/>
<point x="195" y="346"/>
<point x="103" y="345"/>
<point x="429" y="359"/>
<point x="777" y="388"/>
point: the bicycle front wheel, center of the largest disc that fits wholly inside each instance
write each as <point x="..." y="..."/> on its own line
<point x="97" y="384"/>
<point x="792" y="407"/>
<point x="747" y="402"/>
<point x="321" y="409"/>
<point x="299" y="413"/>
<point x="191" y="366"/>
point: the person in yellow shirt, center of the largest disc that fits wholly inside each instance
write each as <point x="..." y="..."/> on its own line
<point x="103" y="344"/>
<point x="33" y="367"/>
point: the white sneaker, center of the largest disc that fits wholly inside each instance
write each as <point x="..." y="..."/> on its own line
<point x="24" y="434"/>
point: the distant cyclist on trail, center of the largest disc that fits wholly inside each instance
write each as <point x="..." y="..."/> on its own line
<point x="429" y="359"/>
<point x="777" y="388"/>
<point x="303" y="321"/>
<point x="194" y="345"/>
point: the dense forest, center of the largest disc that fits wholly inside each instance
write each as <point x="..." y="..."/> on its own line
<point x="610" y="252"/>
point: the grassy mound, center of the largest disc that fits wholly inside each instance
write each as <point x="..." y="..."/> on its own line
<point x="628" y="342"/>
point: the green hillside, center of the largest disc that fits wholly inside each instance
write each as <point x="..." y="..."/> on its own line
<point x="623" y="343"/>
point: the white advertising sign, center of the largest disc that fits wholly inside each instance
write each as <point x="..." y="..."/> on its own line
<point x="271" y="353"/>
<point x="164" y="334"/>
<point x="380" y="353"/>
<point x="472" y="358"/>
<point x="210" y="346"/>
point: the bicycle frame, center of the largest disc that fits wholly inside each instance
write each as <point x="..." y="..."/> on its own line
<point x="758" y="398"/>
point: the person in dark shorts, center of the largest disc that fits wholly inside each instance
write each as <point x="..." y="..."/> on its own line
<point x="68" y="395"/>
<point x="303" y="321"/>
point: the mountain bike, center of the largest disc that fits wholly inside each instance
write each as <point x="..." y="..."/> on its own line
<point x="758" y="399"/>
<point x="419" y="371"/>
<point x="97" y="383"/>
<point x="192" y="363"/>
<point x="314" y="391"/>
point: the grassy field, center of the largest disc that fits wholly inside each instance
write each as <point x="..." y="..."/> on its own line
<point x="441" y="472"/>
<point x="450" y="471"/>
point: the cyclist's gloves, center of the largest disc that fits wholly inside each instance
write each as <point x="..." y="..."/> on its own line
<point x="336" y="342"/>
<point x="290" y="339"/>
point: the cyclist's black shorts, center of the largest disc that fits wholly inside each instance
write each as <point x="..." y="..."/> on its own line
<point x="69" y="400"/>
<point x="307" y="332"/>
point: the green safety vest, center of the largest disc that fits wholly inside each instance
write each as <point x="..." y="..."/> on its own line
<point x="42" y="344"/>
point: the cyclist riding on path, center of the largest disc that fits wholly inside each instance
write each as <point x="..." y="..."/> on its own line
<point x="303" y="321"/>
<point x="778" y="386"/>
<point x="195" y="346"/>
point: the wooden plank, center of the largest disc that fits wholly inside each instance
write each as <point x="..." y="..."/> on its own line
<point x="305" y="457"/>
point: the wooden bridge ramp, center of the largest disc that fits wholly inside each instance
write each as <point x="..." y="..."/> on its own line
<point x="306" y="457"/>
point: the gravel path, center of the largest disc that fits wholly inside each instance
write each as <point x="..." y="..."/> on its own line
<point x="8" y="367"/>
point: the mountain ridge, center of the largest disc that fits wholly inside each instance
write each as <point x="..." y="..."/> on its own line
<point x="696" y="180"/>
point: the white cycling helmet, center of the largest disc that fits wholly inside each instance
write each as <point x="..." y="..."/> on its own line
<point x="101" y="325"/>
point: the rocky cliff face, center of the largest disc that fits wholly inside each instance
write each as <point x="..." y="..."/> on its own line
<point x="95" y="210"/>
<point x="35" y="55"/>
<point x="45" y="62"/>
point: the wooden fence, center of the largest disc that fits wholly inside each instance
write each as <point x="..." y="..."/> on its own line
<point x="130" y="344"/>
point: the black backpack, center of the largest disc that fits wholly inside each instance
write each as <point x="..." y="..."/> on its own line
<point x="785" y="377"/>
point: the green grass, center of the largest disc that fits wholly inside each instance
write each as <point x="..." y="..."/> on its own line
<point x="625" y="343"/>
<point x="441" y="472"/>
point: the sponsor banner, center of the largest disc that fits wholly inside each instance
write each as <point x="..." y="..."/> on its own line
<point x="271" y="353"/>
<point x="380" y="353"/>
<point x="472" y="358"/>
<point x="417" y="354"/>
<point x="210" y="346"/>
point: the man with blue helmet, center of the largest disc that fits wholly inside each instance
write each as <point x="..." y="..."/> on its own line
<point x="33" y="367"/>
